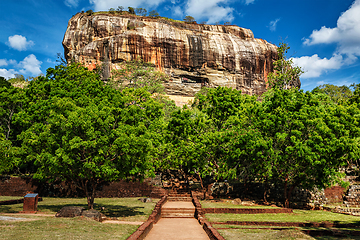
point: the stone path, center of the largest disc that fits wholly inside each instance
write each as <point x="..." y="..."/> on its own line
<point x="177" y="221"/>
<point x="177" y="228"/>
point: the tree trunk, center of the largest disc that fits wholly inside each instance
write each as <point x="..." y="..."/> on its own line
<point x="265" y="191"/>
<point x="287" y="194"/>
<point x="90" y="194"/>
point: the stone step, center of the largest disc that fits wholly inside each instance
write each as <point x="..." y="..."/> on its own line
<point x="179" y="212"/>
<point x="181" y="199"/>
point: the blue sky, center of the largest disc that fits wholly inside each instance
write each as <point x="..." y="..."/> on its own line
<point x="324" y="35"/>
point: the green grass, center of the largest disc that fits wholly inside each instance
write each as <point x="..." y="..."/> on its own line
<point x="45" y="227"/>
<point x="63" y="228"/>
<point x="256" y="234"/>
<point x="127" y="209"/>
<point x="297" y="216"/>
<point x="213" y="204"/>
<point x="5" y="198"/>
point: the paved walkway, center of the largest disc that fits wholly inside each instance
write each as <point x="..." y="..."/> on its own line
<point x="177" y="227"/>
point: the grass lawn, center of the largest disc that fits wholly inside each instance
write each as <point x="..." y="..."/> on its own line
<point x="263" y="232"/>
<point x="228" y="204"/>
<point x="5" y="198"/>
<point x="257" y="234"/>
<point x="297" y="216"/>
<point x="63" y="228"/>
<point x="49" y="227"/>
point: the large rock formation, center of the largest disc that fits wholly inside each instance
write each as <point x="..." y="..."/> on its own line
<point x="193" y="55"/>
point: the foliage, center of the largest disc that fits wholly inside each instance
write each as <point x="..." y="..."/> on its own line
<point x="284" y="72"/>
<point x="120" y="9"/>
<point x="4" y="83"/>
<point x="131" y="10"/>
<point x="141" y="11"/>
<point x="139" y="74"/>
<point x="11" y="102"/>
<point x="89" y="12"/>
<point x="338" y="94"/>
<point x="189" y="19"/>
<point x="307" y="139"/>
<point x="154" y="13"/>
<point x="83" y="131"/>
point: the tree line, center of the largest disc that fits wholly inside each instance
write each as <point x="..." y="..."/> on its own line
<point x="69" y="125"/>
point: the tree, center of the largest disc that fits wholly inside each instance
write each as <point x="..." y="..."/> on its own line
<point x="141" y="11"/>
<point x="189" y="19"/>
<point x="83" y="131"/>
<point x="131" y="10"/>
<point x="284" y="74"/>
<point x="153" y="13"/>
<point x="89" y="12"/>
<point x="139" y="74"/>
<point x="308" y="139"/>
<point x="112" y="10"/>
<point x="120" y="9"/>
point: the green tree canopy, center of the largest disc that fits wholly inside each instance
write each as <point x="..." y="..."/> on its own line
<point x="85" y="132"/>
<point x="338" y="94"/>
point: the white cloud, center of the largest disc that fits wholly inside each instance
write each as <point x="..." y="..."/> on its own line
<point x="247" y="2"/>
<point x="314" y="66"/>
<point x="7" y="73"/>
<point x="273" y="24"/>
<point x="103" y="5"/>
<point x="71" y="3"/>
<point x="30" y="65"/>
<point x="19" y="42"/>
<point x="213" y="10"/>
<point x="177" y="11"/>
<point x="3" y="62"/>
<point x="346" y="34"/>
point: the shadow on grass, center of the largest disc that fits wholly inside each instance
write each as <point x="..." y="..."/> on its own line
<point x="10" y="208"/>
<point x="109" y="210"/>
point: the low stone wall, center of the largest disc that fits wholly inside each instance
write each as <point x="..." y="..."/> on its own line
<point x="16" y="186"/>
<point x="247" y="210"/>
<point x="212" y="233"/>
<point x="146" y="227"/>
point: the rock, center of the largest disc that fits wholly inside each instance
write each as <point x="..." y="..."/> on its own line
<point x="93" y="214"/>
<point x="70" y="211"/>
<point x="145" y="200"/>
<point x="193" y="55"/>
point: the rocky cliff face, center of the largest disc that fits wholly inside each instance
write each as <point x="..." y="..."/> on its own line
<point x="193" y="55"/>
